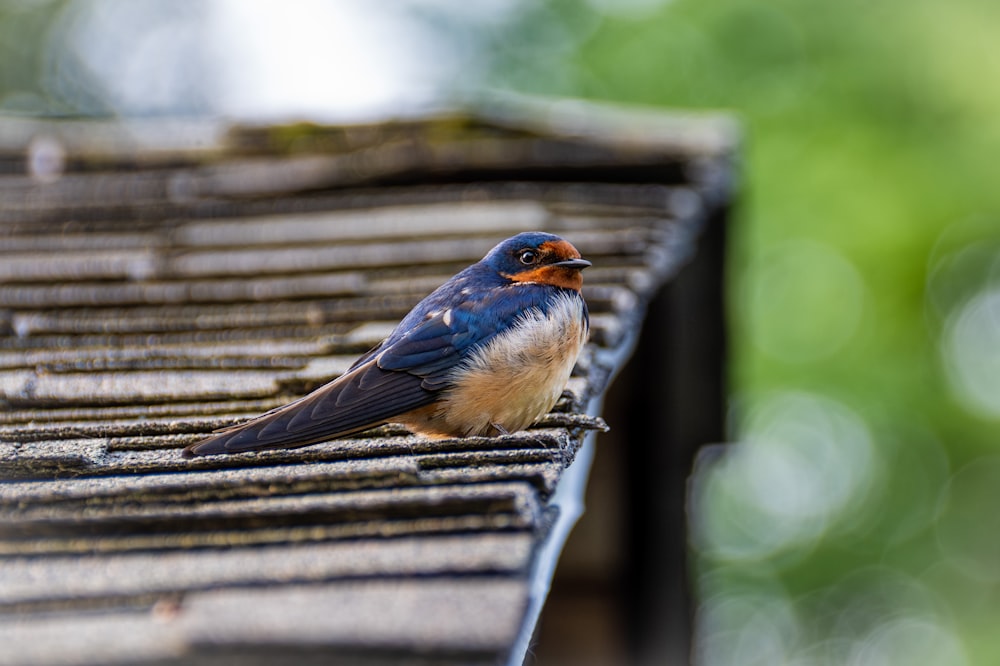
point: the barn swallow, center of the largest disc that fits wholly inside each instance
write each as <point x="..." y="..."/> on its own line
<point x="487" y="353"/>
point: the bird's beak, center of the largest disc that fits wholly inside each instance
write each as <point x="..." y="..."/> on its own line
<point x="573" y="263"/>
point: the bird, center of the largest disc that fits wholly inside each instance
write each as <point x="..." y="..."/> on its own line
<point x="485" y="354"/>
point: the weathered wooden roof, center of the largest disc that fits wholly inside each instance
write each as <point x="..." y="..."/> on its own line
<point x="153" y="291"/>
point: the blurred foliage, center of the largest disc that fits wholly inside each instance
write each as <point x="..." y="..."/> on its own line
<point x="854" y="522"/>
<point x="99" y="58"/>
<point x="39" y="74"/>
<point x="23" y="25"/>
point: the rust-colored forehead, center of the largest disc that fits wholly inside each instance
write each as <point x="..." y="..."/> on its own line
<point x="560" y="248"/>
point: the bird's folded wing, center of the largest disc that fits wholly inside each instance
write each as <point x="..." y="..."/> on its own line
<point x="405" y="372"/>
<point x="361" y="399"/>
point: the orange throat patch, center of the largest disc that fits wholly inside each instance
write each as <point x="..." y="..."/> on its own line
<point x="557" y="276"/>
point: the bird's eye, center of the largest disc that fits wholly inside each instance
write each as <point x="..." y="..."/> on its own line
<point x="527" y="257"/>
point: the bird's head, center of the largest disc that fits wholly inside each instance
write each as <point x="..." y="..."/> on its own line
<point x="539" y="258"/>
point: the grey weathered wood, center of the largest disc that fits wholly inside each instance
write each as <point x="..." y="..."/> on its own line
<point x="155" y="291"/>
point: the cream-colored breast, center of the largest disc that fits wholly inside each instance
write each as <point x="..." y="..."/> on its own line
<point x="520" y="374"/>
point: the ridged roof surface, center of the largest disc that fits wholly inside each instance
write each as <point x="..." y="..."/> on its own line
<point x="152" y="291"/>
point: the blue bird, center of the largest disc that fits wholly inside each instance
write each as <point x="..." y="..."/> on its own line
<point x="487" y="353"/>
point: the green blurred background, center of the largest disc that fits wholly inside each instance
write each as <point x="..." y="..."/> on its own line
<point x="856" y="519"/>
